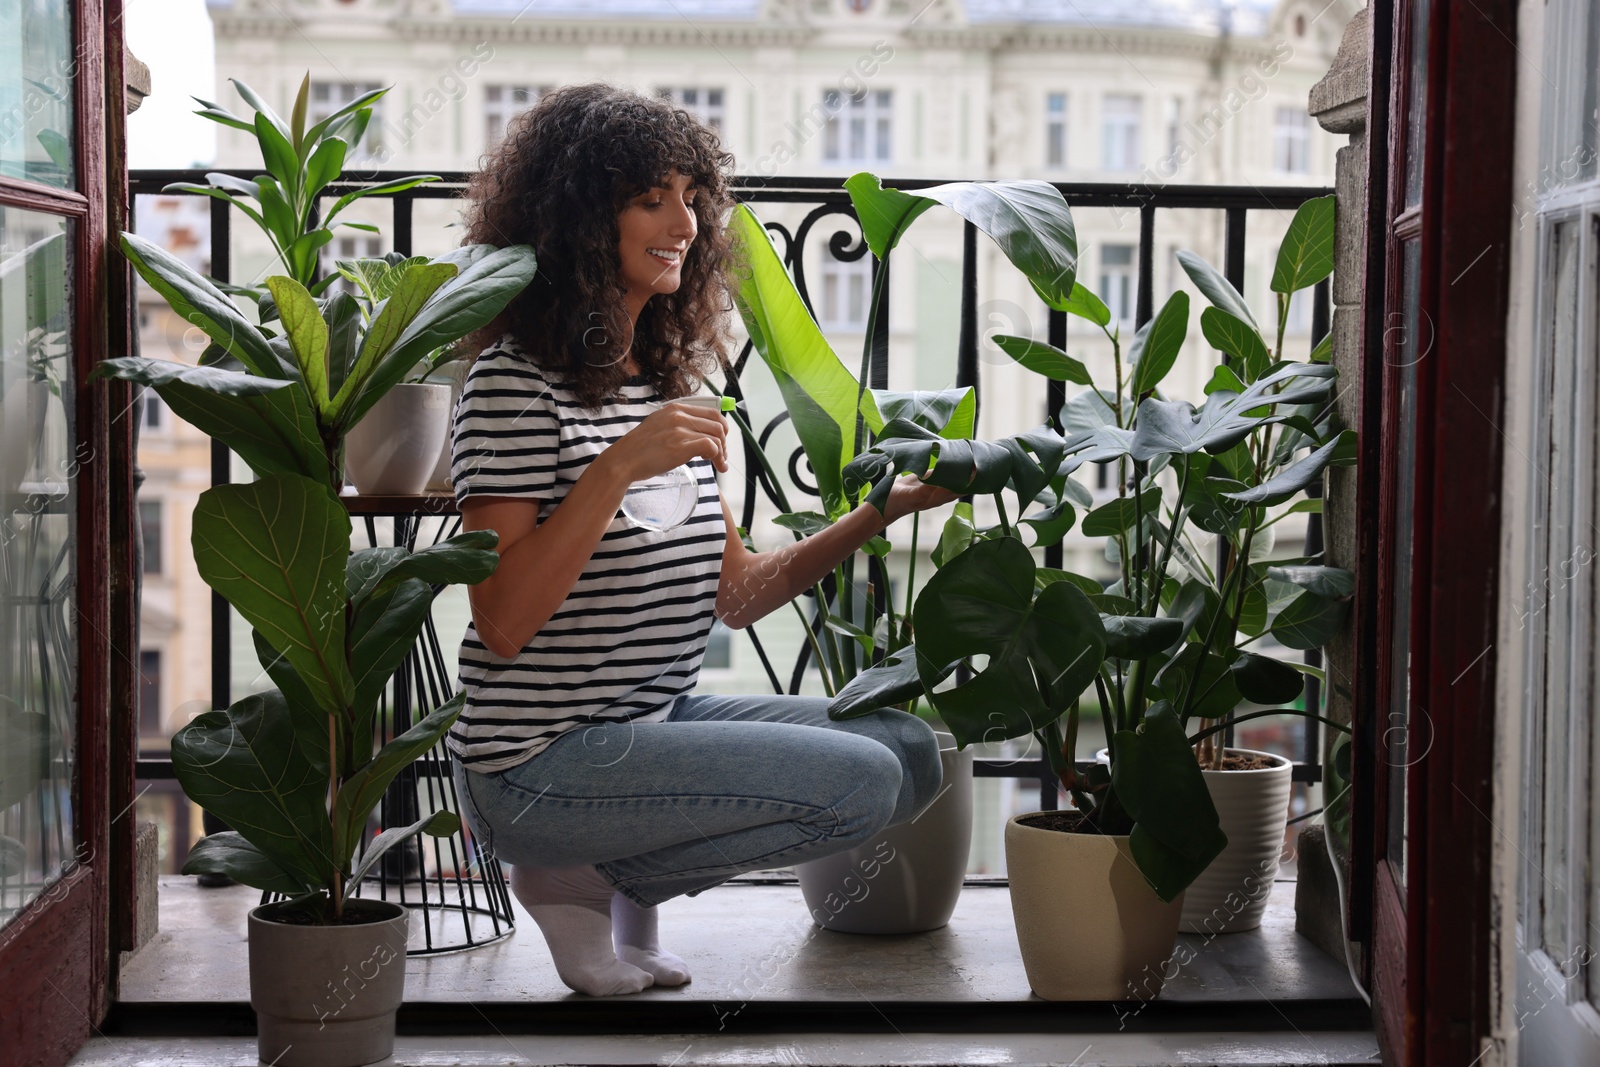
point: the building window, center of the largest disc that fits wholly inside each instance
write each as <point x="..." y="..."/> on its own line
<point x="859" y="128"/>
<point x="150" y="724"/>
<point x="154" y="412"/>
<point x="1122" y="132"/>
<point x="719" y="648"/>
<point x="846" y="289"/>
<point x="1291" y="141"/>
<point x="1174" y="124"/>
<point x="1055" y="130"/>
<point x="704" y="104"/>
<point x="1116" y="280"/>
<point x="502" y="103"/>
<point x="328" y="97"/>
<point x="150" y="531"/>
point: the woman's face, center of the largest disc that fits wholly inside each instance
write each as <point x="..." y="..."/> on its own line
<point x="656" y="229"/>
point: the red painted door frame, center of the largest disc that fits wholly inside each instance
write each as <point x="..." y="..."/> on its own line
<point x="1429" y="937"/>
<point x="57" y="957"/>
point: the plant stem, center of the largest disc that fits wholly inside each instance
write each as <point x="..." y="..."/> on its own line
<point x="1000" y="505"/>
<point x="845" y="593"/>
<point x="911" y="565"/>
<point x="1105" y="708"/>
<point x="823" y="666"/>
<point x="1172" y="536"/>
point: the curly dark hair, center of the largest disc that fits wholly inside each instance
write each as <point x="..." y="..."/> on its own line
<point x="564" y="171"/>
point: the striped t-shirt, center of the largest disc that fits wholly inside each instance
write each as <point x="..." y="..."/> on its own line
<point x="629" y="638"/>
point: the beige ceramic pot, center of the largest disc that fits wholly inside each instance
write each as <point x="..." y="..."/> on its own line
<point x="909" y="878"/>
<point x="1089" y="925"/>
<point x="1253" y="806"/>
<point x="326" y="996"/>
<point x="393" y="450"/>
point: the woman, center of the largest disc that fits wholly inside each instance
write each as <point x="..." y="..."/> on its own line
<point x="585" y="758"/>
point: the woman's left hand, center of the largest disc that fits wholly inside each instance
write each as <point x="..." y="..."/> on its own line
<point x="910" y="493"/>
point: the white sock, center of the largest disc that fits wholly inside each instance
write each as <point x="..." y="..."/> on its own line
<point x="635" y="930"/>
<point x="572" y="906"/>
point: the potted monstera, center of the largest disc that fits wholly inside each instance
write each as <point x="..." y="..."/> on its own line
<point x="1164" y="652"/>
<point x="295" y="770"/>
<point x="833" y="412"/>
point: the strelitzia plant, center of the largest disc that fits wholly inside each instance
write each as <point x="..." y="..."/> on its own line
<point x="1166" y="647"/>
<point x="293" y="770"/>
<point x="836" y="415"/>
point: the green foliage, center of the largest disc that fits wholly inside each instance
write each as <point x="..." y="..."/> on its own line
<point x="1167" y="643"/>
<point x="292" y="769"/>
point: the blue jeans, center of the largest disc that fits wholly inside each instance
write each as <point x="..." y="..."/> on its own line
<point x="726" y="784"/>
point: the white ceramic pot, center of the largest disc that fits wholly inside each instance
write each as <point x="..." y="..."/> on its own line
<point x="456" y="373"/>
<point x="909" y="878"/>
<point x="1089" y="925"/>
<point x="395" y="447"/>
<point x="1231" y="894"/>
<point x="326" y="996"/>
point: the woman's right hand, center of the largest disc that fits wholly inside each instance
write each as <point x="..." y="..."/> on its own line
<point x="669" y="437"/>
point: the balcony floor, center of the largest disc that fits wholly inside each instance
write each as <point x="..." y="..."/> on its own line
<point x="769" y="987"/>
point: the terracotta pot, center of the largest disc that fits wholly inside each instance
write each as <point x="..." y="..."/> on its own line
<point x="326" y="996"/>
<point x="393" y="450"/>
<point x="1089" y="925"/>
<point x="909" y="878"/>
<point x="1231" y="894"/>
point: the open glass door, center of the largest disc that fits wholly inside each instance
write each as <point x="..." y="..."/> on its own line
<point x="1558" y="1008"/>
<point x="54" y="576"/>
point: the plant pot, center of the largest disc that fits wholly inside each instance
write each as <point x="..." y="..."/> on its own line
<point x="909" y="878"/>
<point x="22" y="419"/>
<point x="456" y="373"/>
<point x="1089" y="925"/>
<point x="1231" y="894"/>
<point x="393" y="450"/>
<point x="326" y="996"/>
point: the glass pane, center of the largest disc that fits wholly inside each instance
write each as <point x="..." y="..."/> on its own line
<point x="38" y="639"/>
<point x="1410" y="348"/>
<point x="1416" y="107"/>
<point x="1571" y="95"/>
<point x="36" y="72"/>
<point x="1560" y="664"/>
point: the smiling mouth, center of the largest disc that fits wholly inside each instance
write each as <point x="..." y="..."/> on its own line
<point x="666" y="255"/>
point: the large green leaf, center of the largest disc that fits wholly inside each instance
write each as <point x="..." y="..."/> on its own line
<point x="1138" y="636"/>
<point x="1216" y="288"/>
<point x="1167" y="332"/>
<point x="362" y="791"/>
<point x="231" y="854"/>
<point x="1028" y="219"/>
<point x="1291" y="480"/>
<point x="1332" y="583"/>
<point x="467" y="558"/>
<point x="307" y="333"/>
<point x="312" y="726"/>
<point x="894" y="681"/>
<point x="1309" y="621"/>
<point x="1044" y="359"/>
<point x="1043" y="650"/>
<point x="416" y="286"/>
<point x="1227" y="333"/>
<point x="885" y="214"/>
<point x="947" y="412"/>
<point x="1174" y="427"/>
<point x="961" y="466"/>
<point x="1306" y="255"/>
<point x="1264" y="680"/>
<point x="244" y="766"/>
<point x="384" y="631"/>
<point x="267" y="421"/>
<point x="464" y="303"/>
<point x="1157" y="780"/>
<point x="1082" y="303"/>
<point x="202" y="304"/>
<point x="441" y="823"/>
<point x="819" y="391"/>
<point x="276" y="550"/>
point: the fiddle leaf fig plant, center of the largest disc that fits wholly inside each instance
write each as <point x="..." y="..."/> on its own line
<point x="293" y="770"/>
<point x="1166" y="647"/>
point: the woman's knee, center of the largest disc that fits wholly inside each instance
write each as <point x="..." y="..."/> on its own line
<point x="869" y="781"/>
